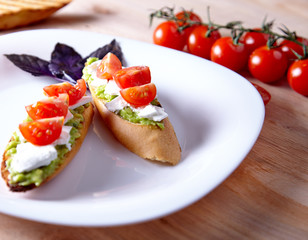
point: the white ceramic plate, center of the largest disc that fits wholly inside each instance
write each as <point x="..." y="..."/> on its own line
<point x="217" y="116"/>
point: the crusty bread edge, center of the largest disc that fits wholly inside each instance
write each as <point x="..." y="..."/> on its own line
<point x="27" y="16"/>
<point x="88" y="116"/>
<point x="148" y="142"/>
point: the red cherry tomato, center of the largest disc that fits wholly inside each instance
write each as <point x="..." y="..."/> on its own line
<point x="42" y="131"/>
<point x="139" y="95"/>
<point x="184" y="16"/>
<point x="298" y="76"/>
<point x="288" y="47"/>
<point x="266" y="96"/>
<point x="254" y="40"/>
<point x="166" y="34"/>
<point x="108" y="66"/>
<point x="267" y="64"/>
<point x="200" y="45"/>
<point x="74" y="92"/>
<point x="48" y="108"/>
<point x="132" y="76"/>
<point x="228" y="54"/>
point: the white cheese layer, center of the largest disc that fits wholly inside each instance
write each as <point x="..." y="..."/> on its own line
<point x="81" y="101"/>
<point x="152" y="112"/>
<point x="68" y="117"/>
<point x="29" y="157"/>
<point x="64" y="137"/>
<point x="99" y="82"/>
<point x="116" y="104"/>
<point x="112" y="88"/>
<point x="149" y="111"/>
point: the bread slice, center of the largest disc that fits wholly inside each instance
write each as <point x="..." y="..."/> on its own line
<point x="88" y="115"/>
<point x="17" y="13"/>
<point x="149" y="142"/>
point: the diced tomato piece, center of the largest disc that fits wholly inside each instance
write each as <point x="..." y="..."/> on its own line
<point x="132" y="76"/>
<point x="74" y="92"/>
<point x="42" y="131"/>
<point x="48" y="108"/>
<point x="139" y="95"/>
<point x="266" y="96"/>
<point x="108" y="66"/>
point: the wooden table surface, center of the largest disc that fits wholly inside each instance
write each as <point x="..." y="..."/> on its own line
<point x="266" y="197"/>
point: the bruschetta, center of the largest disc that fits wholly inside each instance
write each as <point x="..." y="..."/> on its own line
<point x="127" y="102"/>
<point x="49" y="138"/>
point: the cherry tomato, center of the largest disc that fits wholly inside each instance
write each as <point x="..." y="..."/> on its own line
<point x="199" y="44"/>
<point x="254" y="40"/>
<point x="132" y="76"/>
<point x="48" y="108"/>
<point x="166" y="34"/>
<point x="287" y="46"/>
<point x="298" y="76"/>
<point x="139" y="95"/>
<point x="228" y="54"/>
<point x="74" y="92"/>
<point x="266" y="96"/>
<point x="267" y="64"/>
<point x="184" y="16"/>
<point x="42" y="131"/>
<point x="108" y="66"/>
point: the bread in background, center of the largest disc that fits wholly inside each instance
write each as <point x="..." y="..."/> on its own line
<point x="18" y="13"/>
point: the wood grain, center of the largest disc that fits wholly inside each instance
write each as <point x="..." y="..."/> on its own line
<point x="267" y="196"/>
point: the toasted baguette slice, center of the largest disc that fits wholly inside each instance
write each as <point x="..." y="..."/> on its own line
<point x="17" y="13"/>
<point x="88" y="115"/>
<point x="148" y="142"/>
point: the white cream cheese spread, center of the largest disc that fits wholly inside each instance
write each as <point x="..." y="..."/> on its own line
<point x="64" y="137"/>
<point x="29" y="157"/>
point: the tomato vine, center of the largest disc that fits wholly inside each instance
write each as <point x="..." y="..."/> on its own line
<point x="236" y="27"/>
<point x="268" y="58"/>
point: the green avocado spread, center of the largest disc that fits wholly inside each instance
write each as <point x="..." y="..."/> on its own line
<point x="37" y="176"/>
<point x="126" y="113"/>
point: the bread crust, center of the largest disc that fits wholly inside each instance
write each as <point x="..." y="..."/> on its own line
<point x="88" y="116"/>
<point x="148" y="142"/>
<point x="20" y="13"/>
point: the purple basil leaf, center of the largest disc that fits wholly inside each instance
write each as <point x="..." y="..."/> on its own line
<point x="30" y="64"/>
<point x="65" y="62"/>
<point x="113" y="47"/>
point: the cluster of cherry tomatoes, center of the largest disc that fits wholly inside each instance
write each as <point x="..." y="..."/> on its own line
<point x="267" y="64"/>
<point x="48" y="114"/>
<point x="134" y="82"/>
